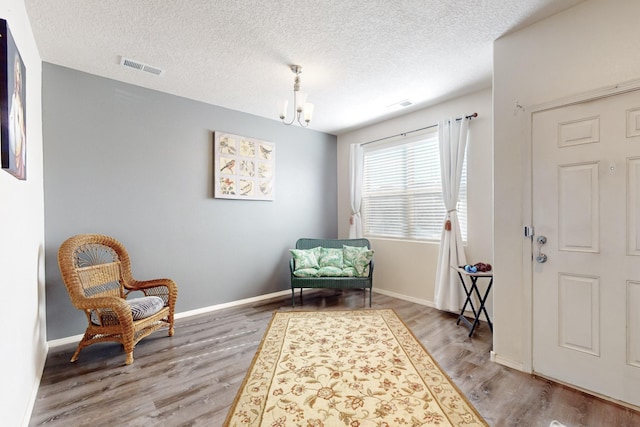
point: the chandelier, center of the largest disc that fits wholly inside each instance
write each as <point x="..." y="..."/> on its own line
<point x="302" y="110"/>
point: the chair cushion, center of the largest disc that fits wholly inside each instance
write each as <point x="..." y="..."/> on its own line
<point x="144" y="307"/>
<point x="330" y="272"/>
<point x="306" y="272"/>
<point x="349" y="272"/>
<point x="141" y="308"/>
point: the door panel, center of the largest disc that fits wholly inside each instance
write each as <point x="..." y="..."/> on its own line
<point x="633" y="204"/>
<point x="633" y="122"/>
<point x="633" y="320"/>
<point x="586" y="202"/>
<point x="579" y="313"/>
<point x="578" y="208"/>
<point x="582" y="131"/>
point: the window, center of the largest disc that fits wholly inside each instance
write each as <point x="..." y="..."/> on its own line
<point x="402" y="190"/>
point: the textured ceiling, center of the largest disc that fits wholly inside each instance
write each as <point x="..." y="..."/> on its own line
<point x="359" y="57"/>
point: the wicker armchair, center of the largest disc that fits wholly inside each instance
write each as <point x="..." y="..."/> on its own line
<point x="97" y="273"/>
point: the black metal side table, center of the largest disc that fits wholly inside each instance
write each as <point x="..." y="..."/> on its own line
<point x="470" y="291"/>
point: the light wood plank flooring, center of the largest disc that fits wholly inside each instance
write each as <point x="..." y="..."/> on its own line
<point x="191" y="378"/>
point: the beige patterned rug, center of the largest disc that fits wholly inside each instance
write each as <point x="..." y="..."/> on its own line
<point x="346" y="368"/>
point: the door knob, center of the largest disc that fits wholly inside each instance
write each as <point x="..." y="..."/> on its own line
<point x="541" y="258"/>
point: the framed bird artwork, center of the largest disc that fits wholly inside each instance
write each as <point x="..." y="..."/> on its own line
<point x="244" y="167"/>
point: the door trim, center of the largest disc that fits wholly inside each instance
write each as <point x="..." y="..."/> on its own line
<point x="527" y="199"/>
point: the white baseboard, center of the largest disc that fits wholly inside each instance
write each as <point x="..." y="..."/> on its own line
<point x="76" y="338"/>
<point x="63" y="341"/>
<point x="424" y="302"/>
<point x="41" y="360"/>
<point x="231" y="304"/>
<point x="507" y="362"/>
<point x="404" y="297"/>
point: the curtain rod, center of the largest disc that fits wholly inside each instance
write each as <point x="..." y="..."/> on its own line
<point x="470" y="116"/>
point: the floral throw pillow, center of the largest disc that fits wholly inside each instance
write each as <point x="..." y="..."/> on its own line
<point x="330" y="257"/>
<point x="305" y="258"/>
<point x="358" y="258"/>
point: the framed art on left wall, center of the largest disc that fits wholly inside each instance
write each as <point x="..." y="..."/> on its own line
<point x="13" y="134"/>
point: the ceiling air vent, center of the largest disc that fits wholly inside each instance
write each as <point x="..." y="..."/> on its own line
<point x="401" y="104"/>
<point x="130" y="63"/>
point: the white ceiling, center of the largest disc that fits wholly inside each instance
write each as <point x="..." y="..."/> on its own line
<point x="358" y="56"/>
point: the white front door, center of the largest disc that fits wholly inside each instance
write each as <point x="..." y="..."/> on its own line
<point x="586" y="202"/>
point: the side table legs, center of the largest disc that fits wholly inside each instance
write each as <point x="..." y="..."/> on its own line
<point x="482" y="298"/>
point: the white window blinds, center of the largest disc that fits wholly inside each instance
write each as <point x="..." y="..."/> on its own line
<point x="402" y="191"/>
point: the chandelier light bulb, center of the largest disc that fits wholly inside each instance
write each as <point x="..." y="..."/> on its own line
<point x="282" y="108"/>
<point x="308" y="112"/>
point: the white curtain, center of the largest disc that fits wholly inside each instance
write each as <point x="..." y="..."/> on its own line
<point x="356" y="166"/>
<point x="452" y="135"/>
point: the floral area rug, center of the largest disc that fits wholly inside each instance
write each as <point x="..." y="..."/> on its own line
<point x="346" y="368"/>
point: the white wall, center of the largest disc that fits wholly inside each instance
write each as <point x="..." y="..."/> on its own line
<point x="22" y="246"/>
<point x="590" y="46"/>
<point x="396" y="261"/>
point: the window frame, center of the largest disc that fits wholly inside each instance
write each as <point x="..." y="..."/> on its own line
<point x="430" y="136"/>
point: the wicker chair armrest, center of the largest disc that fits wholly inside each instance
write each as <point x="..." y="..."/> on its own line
<point x="116" y="304"/>
<point x="141" y="285"/>
<point x="165" y="288"/>
<point x="291" y="265"/>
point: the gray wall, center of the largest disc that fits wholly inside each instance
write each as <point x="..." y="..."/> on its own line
<point x="136" y="164"/>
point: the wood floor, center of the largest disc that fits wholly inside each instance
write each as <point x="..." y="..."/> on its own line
<point x="191" y="378"/>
